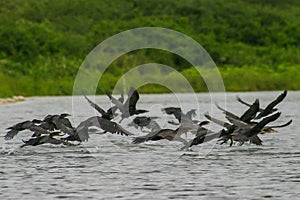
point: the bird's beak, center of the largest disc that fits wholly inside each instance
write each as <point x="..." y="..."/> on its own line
<point x="273" y="130"/>
<point x="61" y="134"/>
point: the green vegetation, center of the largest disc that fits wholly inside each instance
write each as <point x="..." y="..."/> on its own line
<point x="255" y="43"/>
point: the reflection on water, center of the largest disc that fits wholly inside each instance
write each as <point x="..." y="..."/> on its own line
<point x="109" y="166"/>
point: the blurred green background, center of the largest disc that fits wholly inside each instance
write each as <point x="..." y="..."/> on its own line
<point x="255" y="43"/>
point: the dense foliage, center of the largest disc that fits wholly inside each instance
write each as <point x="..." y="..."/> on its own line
<point x="44" y="42"/>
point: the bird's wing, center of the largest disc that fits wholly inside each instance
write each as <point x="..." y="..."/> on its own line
<point x="154" y="126"/>
<point x="141" y="139"/>
<point x="237" y="122"/>
<point x="120" y="130"/>
<point x="32" y="141"/>
<point x="269" y="109"/>
<point x="227" y="113"/>
<point x="82" y="129"/>
<point x="38" y="130"/>
<point x="251" y="112"/>
<point x="121" y="99"/>
<point x="277" y="100"/>
<point x="110" y="126"/>
<point x="191" y="113"/>
<point x="201" y="138"/>
<point x="217" y="121"/>
<point x="95" y="106"/>
<point x="260" y="125"/>
<point x="14" y="130"/>
<point x="176" y="111"/>
<point x="61" y="126"/>
<point x="115" y="101"/>
<point x="66" y="122"/>
<point x="255" y="140"/>
<point x="242" y="102"/>
<point x="133" y="97"/>
<point x="11" y="134"/>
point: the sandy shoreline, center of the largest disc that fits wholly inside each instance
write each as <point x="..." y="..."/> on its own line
<point x="14" y="99"/>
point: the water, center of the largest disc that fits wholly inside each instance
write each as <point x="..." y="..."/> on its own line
<point x="110" y="167"/>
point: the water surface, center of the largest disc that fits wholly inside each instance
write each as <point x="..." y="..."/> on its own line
<point x="110" y="167"/>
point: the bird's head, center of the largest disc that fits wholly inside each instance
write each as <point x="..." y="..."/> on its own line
<point x="63" y="115"/>
<point x="203" y="123"/>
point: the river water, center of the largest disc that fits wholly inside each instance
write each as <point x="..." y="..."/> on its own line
<point x="111" y="167"/>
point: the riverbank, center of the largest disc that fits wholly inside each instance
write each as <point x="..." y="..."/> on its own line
<point x="247" y="78"/>
<point x="14" y="99"/>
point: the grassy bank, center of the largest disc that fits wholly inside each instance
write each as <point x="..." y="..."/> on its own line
<point x="248" y="78"/>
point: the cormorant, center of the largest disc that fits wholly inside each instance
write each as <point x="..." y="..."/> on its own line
<point x="104" y="114"/>
<point x="129" y="107"/>
<point x="179" y="115"/>
<point x="48" y="122"/>
<point x="269" y="108"/>
<point x="49" y="138"/>
<point x="245" y="133"/>
<point x="247" y="116"/>
<point x="26" y="125"/>
<point x="141" y="121"/>
<point x="80" y="133"/>
<point x="170" y="134"/>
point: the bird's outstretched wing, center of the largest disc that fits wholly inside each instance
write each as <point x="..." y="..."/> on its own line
<point x="11" y="134"/>
<point x="105" y="125"/>
<point x="95" y="106"/>
<point x="255" y="140"/>
<point x="251" y="112"/>
<point x="237" y="122"/>
<point x="190" y="114"/>
<point x="176" y="111"/>
<point x="270" y="108"/>
<point x="133" y="97"/>
<point x="118" y="103"/>
<point x="217" y="121"/>
<point x="242" y="101"/>
<point x="15" y="129"/>
<point x="227" y="113"/>
<point x="260" y="125"/>
<point x="38" y="131"/>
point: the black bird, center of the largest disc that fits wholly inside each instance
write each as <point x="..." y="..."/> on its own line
<point x="168" y="134"/>
<point x="129" y="107"/>
<point x="26" y="125"/>
<point x="179" y="115"/>
<point x="141" y="121"/>
<point x="202" y="135"/>
<point x="225" y="134"/>
<point x="104" y="114"/>
<point x="114" y="108"/>
<point x="245" y="133"/>
<point x="205" y="135"/>
<point x="247" y="116"/>
<point x="239" y="123"/>
<point x="270" y="108"/>
<point x="80" y="133"/>
<point x="48" y="122"/>
<point x="248" y="104"/>
<point x="49" y="138"/>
